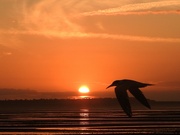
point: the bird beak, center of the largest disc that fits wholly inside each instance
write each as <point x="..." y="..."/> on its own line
<point x="109" y="86"/>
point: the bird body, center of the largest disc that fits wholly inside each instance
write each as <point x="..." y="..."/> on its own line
<point x="121" y="93"/>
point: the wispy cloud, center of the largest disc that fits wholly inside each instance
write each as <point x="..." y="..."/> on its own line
<point x="134" y="38"/>
<point x="47" y="15"/>
<point x="46" y="18"/>
<point x="54" y="18"/>
<point x="132" y="13"/>
<point x="140" y="8"/>
<point x="67" y="35"/>
<point x="5" y="51"/>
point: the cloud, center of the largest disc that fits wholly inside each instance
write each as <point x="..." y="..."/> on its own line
<point x="66" y="35"/>
<point x="45" y="18"/>
<point x="140" y="8"/>
<point x="47" y="15"/>
<point x="133" y="13"/>
<point x="5" y="51"/>
<point x="54" y="18"/>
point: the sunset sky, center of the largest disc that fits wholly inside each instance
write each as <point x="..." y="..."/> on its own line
<point x="59" y="45"/>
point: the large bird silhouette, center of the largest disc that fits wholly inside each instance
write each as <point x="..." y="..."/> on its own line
<point x="121" y="93"/>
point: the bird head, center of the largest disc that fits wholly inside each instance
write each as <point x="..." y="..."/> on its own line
<point x="115" y="83"/>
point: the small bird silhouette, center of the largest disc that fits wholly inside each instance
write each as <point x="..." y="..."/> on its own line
<point x="121" y="93"/>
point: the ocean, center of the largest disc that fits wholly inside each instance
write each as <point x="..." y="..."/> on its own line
<point x="102" y="116"/>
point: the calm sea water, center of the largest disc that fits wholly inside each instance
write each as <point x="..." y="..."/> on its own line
<point x="90" y="121"/>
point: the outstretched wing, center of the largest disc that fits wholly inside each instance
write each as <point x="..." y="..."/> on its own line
<point x="139" y="96"/>
<point x="123" y="99"/>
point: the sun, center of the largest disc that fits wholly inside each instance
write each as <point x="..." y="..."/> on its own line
<point x="84" y="89"/>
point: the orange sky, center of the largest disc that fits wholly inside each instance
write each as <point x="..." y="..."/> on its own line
<point x="58" y="46"/>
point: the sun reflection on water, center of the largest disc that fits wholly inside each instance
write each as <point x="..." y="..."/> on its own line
<point x="82" y="97"/>
<point x="84" y="118"/>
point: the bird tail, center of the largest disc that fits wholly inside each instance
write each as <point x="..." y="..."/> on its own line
<point x="144" y="85"/>
<point x="150" y="84"/>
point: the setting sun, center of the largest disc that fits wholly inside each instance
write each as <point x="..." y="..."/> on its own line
<point x="84" y="89"/>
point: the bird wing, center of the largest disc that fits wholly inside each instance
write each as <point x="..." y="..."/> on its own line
<point x="139" y="96"/>
<point x="123" y="99"/>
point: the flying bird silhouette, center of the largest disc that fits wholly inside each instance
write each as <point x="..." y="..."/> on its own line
<point x="121" y="93"/>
